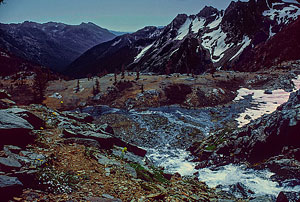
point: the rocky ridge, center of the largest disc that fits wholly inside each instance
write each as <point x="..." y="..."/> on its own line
<point x="51" y="44"/>
<point x="198" y="43"/>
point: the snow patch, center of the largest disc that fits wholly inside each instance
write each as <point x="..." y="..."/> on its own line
<point x="2" y="54"/>
<point x="142" y="53"/>
<point x="215" y="23"/>
<point x="283" y="16"/>
<point x="215" y="43"/>
<point x="198" y="23"/>
<point x="246" y="42"/>
<point x="264" y="103"/>
<point x="271" y="34"/>
<point x="184" y="30"/>
<point x="116" y="42"/>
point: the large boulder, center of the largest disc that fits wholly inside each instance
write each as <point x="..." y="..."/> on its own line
<point x="105" y="140"/>
<point x="288" y="197"/>
<point x="34" y="120"/>
<point x="6" y="103"/>
<point x="14" y="129"/>
<point x="4" y="95"/>
<point x="81" y="117"/>
<point x="9" y="187"/>
<point x="8" y="164"/>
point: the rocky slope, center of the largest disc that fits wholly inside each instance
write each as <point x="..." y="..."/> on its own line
<point x="53" y="45"/>
<point x="10" y="64"/>
<point x="211" y="39"/>
<point x="271" y="141"/>
<point x="53" y="156"/>
<point x="279" y="49"/>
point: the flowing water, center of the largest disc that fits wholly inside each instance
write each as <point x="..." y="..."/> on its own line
<point x="167" y="132"/>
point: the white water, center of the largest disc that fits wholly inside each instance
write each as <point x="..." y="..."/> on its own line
<point x="257" y="181"/>
<point x="174" y="160"/>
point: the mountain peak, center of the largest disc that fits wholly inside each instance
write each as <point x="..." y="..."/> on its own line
<point x="208" y="11"/>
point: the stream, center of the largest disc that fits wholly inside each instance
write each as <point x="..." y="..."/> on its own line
<point x="166" y="133"/>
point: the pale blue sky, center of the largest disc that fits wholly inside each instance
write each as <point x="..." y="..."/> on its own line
<point x="119" y="15"/>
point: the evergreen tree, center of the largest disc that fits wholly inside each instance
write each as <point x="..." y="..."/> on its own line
<point x="142" y="88"/>
<point x="115" y="77"/>
<point x="39" y="86"/>
<point x="97" y="87"/>
<point x="137" y="75"/>
<point x="77" y="89"/>
<point x="123" y="72"/>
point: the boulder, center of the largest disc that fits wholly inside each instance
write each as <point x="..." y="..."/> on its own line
<point x="289" y="168"/>
<point x="8" y="164"/>
<point x="268" y="92"/>
<point x="288" y="197"/>
<point x="265" y="198"/>
<point x="84" y="141"/>
<point x="128" y="156"/>
<point x="9" y="187"/>
<point x="14" y="129"/>
<point x="106" y="129"/>
<point x="98" y="199"/>
<point x="105" y="140"/>
<point x="6" y="103"/>
<point x="81" y="117"/>
<point x="4" y="95"/>
<point x="34" y="120"/>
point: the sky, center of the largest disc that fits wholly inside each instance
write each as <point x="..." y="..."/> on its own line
<point x="117" y="15"/>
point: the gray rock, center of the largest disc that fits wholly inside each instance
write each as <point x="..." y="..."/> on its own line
<point x="6" y="103"/>
<point x="14" y="130"/>
<point x="84" y="141"/>
<point x="10" y="121"/>
<point x="81" y="117"/>
<point x="265" y="198"/>
<point x="106" y="161"/>
<point x="268" y="92"/>
<point x="288" y="197"/>
<point x="34" y="120"/>
<point x="9" y="187"/>
<point x="128" y="156"/>
<point x="105" y="141"/>
<point x="9" y="164"/>
<point x="98" y="199"/>
<point x="130" y="170"/>
<point x="4" y="94"/>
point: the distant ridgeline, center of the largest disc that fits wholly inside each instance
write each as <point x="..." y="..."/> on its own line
<point x="198" y="43"/>
<point x="54" y="45"/>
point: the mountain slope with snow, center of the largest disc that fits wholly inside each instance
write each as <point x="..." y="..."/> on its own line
<point x="112" y="55"/>
<point x="198" y="43"/>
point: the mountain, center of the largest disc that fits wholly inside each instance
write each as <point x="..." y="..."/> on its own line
<point x="284" y="46"/>
<point x="112" y="55"/>
<point x="51" y="44"/>
<point x="11" y="64"/>
<point x="197" y="43"/>
<point x="117" y="33"/>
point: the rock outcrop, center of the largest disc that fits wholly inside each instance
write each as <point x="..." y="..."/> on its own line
<point x="271" y="141"/>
